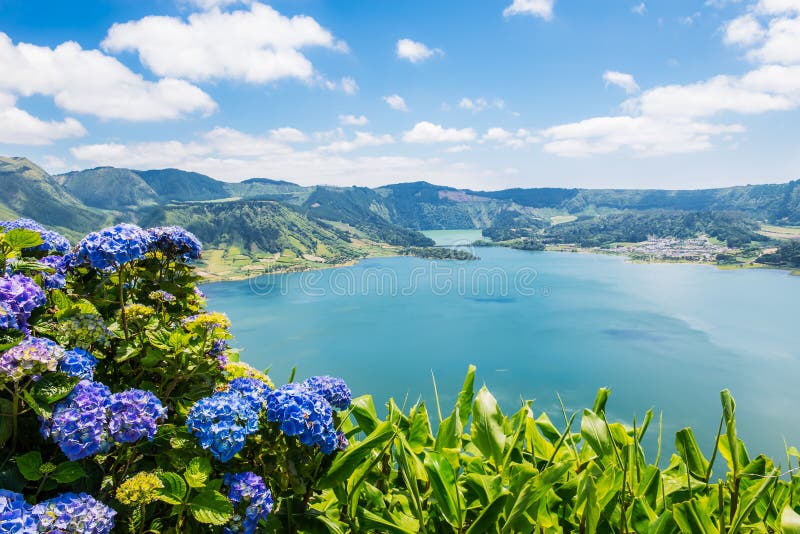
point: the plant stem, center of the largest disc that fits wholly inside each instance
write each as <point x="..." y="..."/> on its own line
<point x="122" y="301"/>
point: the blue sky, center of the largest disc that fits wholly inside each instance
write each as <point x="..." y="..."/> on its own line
<point x="472" y="93"/>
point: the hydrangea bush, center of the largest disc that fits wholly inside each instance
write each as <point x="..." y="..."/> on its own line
<point x="124" y="408"/>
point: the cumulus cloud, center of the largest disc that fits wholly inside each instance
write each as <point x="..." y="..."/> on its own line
<point x="744" y="31"/>
<point x="480" y="104"/>
<point x="90" y="82"/>
<point x="256" y="45"/>
<point x="639" y="9"/>
<point x="536" y="8"/>
<point x="427" y="132"/>
<point x="352" y="120"/>
<point x="361" y="140"/>
<point x="288" y="135"/>
<point x="396" y="102"/>
<point x="414" y="51"/>
<point x="621" y="79"/>
<point x="18" y="127"/>
<point x="503" y="137"/>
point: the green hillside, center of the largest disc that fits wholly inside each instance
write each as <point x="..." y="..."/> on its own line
<point x="178" y="185"/>
<point x="109" y="188"/>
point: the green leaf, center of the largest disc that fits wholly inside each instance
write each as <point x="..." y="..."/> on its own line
<point x="376" y="523"/>
<point x="600" y="400"/>
<point x="690" y="452"/>
<point x="728" y="412"/>
<point x="197" y="472"/>
<point x="693" y="519"/>
<point x="38" y="409"/>
<point x="174" y="490"/>
<point x="67" y="472"/>
<point x="6" y="420"/>
<point x="419" y="432"/>
<point x="29" y="464"/>
<point x="596" y="434"/>
<point x="487" y="426"/>
<point x="363" y="410"/>
<point x="21" y="238"/>
<point x="211" y="508"/>
<point x="450" y="430"/>
<point x="53" y="387"/>
<point x="488" y="518"/>
<point x="790" y="521"/>
<point x="465" y="396"/>
<point x="345" y="464"/>
<point x="444" y="488"/>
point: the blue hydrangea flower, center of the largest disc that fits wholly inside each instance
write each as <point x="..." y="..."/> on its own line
<point x="30" y="358"/>
<point x="79" y="422"/>
<point x="222" y="423"/>
<point x="217" y="351"/>
<point x="74" y="513"/>
<point x="57" y="279"/>
<point x="51" y="241"/>
<point x="247" y="490"/>
<point x="7" y="317"/>
<point x="135" y="414"/>
<point x="15" y="514"/>
<point x="175" y="242"/>
<point x="78" y="362"/>
<point x="341" y="441"/>
<point x="113" y="247"/>
<point x="21" y="295"/>
<point x="254" y="391"/>
<point x="303" y="414"/>
<point x="332" y="389"/>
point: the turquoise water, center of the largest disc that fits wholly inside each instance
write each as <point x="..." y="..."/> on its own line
<point x="662" y="336"/>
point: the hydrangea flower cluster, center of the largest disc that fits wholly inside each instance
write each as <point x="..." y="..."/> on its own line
<point x="207" y="321"/>
<point x="141" y="488"/>
<point x="248" y="491"/>
<point x="21" y="295"/>
<point x="252" y="390"/>
<point x="161" y="296"/>
<point x="15" y="514"/>
<point x="51" y="241"/>
<point x="217" y="351"/>
<point x="175" y="242"/>
<point x="135" y="414"/>
<point x="91" y="419"/>
<point x="78" y="362"/>
<point x="79" y="425"/>
<point x="332" y="389"/>
<point x="113" y="247"/>
<point x="7" y="317"/>
<point x="303" y="414"/>
<point x="222" y="423"/>
<point x="83" y="329"/>
<point x="32" y="357"/>
<point x="57" y="279"/>
<point x="74" y="512"/>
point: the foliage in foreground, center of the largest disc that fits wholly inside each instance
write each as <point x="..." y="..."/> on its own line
<point x="122" y="407"/>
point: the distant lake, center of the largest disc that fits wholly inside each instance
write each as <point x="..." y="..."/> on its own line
<point x="662" y="336"/>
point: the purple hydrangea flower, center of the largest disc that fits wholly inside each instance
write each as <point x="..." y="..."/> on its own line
<point x="7" y="317"/>
<point x="78" y="362"/>
<point x="135" y="414"/>
<point x="79" y="425"/>
<point x="15" y="514"/>
<point x="341" y="441"/>
<point x="113" y="247"/>
<point x="161" y="296"/>
<point x="303" y="414"/>
<point x="217" y="351"/>
<point x="247" y="490"/>
<point x="57" y="279"/>
<point x="175" y="242"/>
<point x="73" y="513"/>
<point x="51" y="241"/>
<point x="32" y="357"/>
<point x="222" y="423"/>
<point x="332" y="389"/>
<point x="21" y="295"/>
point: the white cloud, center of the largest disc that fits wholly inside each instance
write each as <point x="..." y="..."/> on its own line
<point x="458" y="149"/>
<point x="352" y="120"/>
<point x="503" y="137"/>
<point x="88" y="81"/>
<point x="18" y="127"/>
<point x="480" y="104"/>
<point x="639" y="9"/>
<point x="396" y="102"/>
<point x="778" y="7"/>
<point x="621" y="79"/>
<point x="497" y="134"/>
<point x="415" y="51"/>
<point x="210" y="4"/>
<point x="361" y="140"/>
<point x="288" y="135"/>
<point x="781" y="44"/>
<point x="744" y="31"/>
<point x="257" y="45"/>
<point x="689" y="19"/>
<point x="427" y="132"/>
<point x="349" y="85"/>
<point x="537" y="8"/>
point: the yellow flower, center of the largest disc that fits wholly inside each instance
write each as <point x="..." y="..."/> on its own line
<point x="138" y="312"/>
<point x="208" y="321"/>
<point x="141" y="488"/>
<point x="234" y="370"/>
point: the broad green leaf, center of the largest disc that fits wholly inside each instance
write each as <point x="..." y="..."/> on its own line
<point x="174" y="490"/>
<point x="689" y="450"/>
<point x="20" y="238"/>
<point x="450" y="430"/>
<point x="211" y="508"/>
<point x="29" y="464"/>
<point x="376" y="523"/>
<point x="465" y="396"/>
<point x="197" y="472"/>
<point x="405" y="456"/>
<point x="53" y="387"/>
<point x="693" y="519"/>
<point x="419" y="432"/>
<point x="487" y="426"/>
<point x="586" y="506"/>
<point x="790" y="521"/>
<point x="345" y="464"/>
<point x="37" y="408"/>
<point x="444" y="488"/>
<point x="363" y="410"/>
<point x="596" y="434"/>
<point x="536" y="488"/>
<point x="67" y="472"/>
<point x="489" y="516"/>
<point x="729" y="413"/>
<point x="600" y="400"/>
<point x="750" y="499"/>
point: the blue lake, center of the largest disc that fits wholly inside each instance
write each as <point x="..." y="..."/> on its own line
<point x="661" y="336"/>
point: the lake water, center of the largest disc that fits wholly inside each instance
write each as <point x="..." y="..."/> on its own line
<point x="662" y="336"/>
